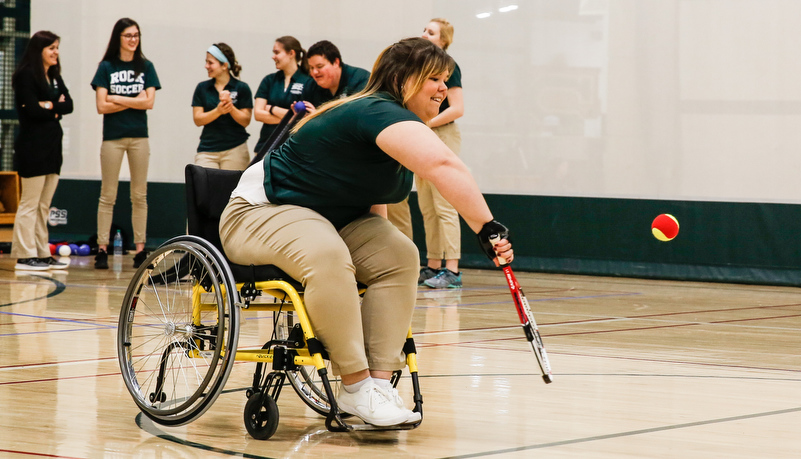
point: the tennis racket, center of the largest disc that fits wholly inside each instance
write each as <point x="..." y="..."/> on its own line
<point x="526" y="318"/>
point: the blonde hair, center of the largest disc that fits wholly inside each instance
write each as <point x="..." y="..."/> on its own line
<point x="411" y="59"/>
<point x="445" y="31"/>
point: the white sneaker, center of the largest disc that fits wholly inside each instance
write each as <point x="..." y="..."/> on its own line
<point x="372" y="405"/>
<point x="394" y="396"/>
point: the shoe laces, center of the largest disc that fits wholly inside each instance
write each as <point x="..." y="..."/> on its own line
<point x="376" y="398"/>
<point x="394" y="396"/>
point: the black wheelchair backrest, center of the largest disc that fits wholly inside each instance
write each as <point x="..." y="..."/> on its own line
<point x="207" y="194"/>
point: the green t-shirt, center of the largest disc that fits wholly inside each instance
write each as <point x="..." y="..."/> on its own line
<point x="332" y="164"/>
<point x="351" y="81"/>
<point x="120" y="78"/>
<point x="454" y="81"/>
<point x="224" y="133"/>
<point x="272" y="90"/>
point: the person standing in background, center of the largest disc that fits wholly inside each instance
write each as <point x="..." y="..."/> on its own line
<point x="278" y="91"/>
<point x="223" y="106"/>
<point x="125" y="87"/>
<point x="333" y="79"/>
<point x="440" y="219"/>
<point x="41" y="99"/>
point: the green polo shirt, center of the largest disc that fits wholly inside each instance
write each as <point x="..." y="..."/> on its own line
<point x="332" y="164"/>
<point x="272" y="90"/>
<point x="352" y="80"/>
<point x="454" y="81"/>
<point x="120" y="78"/>
<point x="224" y="133"/>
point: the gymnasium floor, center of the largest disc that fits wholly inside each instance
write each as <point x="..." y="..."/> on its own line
<point x="645" y="369"/>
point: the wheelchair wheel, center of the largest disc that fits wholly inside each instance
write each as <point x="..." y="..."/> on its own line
<point x="261" y="416"/>
<point x="177" y="333"/>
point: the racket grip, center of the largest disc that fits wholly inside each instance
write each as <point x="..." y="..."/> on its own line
<point x="494" y="240"/>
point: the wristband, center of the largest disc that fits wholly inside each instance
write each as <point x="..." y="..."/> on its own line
<point x="270" y="111"/>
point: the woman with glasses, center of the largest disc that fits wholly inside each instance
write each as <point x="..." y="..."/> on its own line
<point x="41" y="100"/>
<point x="125" y="85"/>
<point x="223" y="106"/>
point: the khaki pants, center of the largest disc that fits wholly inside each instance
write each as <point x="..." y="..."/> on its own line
<point x="111" y="153"/>
<point x="440" y="219"/>
<point x="357" y="334"/>
<point x="400" y="216"/>
<point x="30" y="239"/>
<point x="236" y="158"/>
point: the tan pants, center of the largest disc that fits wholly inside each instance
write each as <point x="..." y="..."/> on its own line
<point x="357" y="334"/>
<point x="400" y="216"/>
<point x="111" y="153"/>
<point x="236" y="158"/>
<point x="440" y="219"/>
<point x="30" y="239"/>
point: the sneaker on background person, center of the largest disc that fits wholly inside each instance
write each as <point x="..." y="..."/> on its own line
<point x="101" y="259"/>
<point x="55" y="264"/>
<point x="425" y="274"/>
<point x="32" y="264"/>
<point x="140" y="257"/>
<point x="445" y="278"/>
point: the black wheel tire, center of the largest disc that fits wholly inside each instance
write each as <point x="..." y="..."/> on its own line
<point x="261" y="416"/>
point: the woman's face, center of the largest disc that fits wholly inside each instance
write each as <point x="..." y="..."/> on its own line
<point x="129" y="39"/>
<point x="281" y="57"/>
<point x="425" y="104"/>
<point x="50" y="55"/>
<point x="213" y="66"/>
<point x="431" y="33"/>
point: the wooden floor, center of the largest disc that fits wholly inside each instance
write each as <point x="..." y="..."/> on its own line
<point x="642" y="369"/>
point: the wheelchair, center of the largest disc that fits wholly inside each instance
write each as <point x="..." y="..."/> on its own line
<point x="180" y="320"/>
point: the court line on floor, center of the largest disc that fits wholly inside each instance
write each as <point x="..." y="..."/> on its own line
<point x="150" y="427"/>
<point x="630" y="433"/>
<point x="30" y="453"/>
<point x="60" y="287"/>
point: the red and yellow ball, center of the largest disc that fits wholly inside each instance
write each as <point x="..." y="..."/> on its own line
<point x="665" y="227"/>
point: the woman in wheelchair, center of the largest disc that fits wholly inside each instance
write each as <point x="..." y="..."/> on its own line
<point x="314" y="207"/>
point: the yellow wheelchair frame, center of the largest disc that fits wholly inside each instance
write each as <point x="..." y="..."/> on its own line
<point x="177" y="342"/>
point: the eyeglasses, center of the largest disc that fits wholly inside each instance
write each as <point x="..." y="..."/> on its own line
<point x="131" y="36"/>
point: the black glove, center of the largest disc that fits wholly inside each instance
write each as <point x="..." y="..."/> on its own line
<point x="491" y="230"/>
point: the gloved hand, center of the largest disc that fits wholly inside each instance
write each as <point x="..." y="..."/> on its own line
<point x="491" y="230"/>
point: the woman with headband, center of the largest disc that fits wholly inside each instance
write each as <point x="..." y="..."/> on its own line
<point x="125" y="87"/>
<point x="223" y="106"/>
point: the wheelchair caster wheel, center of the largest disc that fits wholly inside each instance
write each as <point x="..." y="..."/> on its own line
<point x="248" y="393"/>
<point x="261" y="416"/>
<point x="161" y="398"/>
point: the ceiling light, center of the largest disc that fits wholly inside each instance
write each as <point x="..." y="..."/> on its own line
<point x="483" y="15"/>
<point x="505" y="9"/>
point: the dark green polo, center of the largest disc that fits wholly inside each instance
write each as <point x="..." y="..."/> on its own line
<point x="120" y="78"/>
<point x="272" y="90"/>
<point x="333" y="165"/>
<point x="224" y="133"/>
<point x="454" y="81"/>
<point x="352" y="80"/>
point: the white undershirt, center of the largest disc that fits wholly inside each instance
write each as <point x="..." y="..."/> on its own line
<point x="251" y="185"/>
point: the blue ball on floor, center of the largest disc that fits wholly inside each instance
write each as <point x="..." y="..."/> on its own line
<point x="84" y="250"/>
<point x="74" y="248"/>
